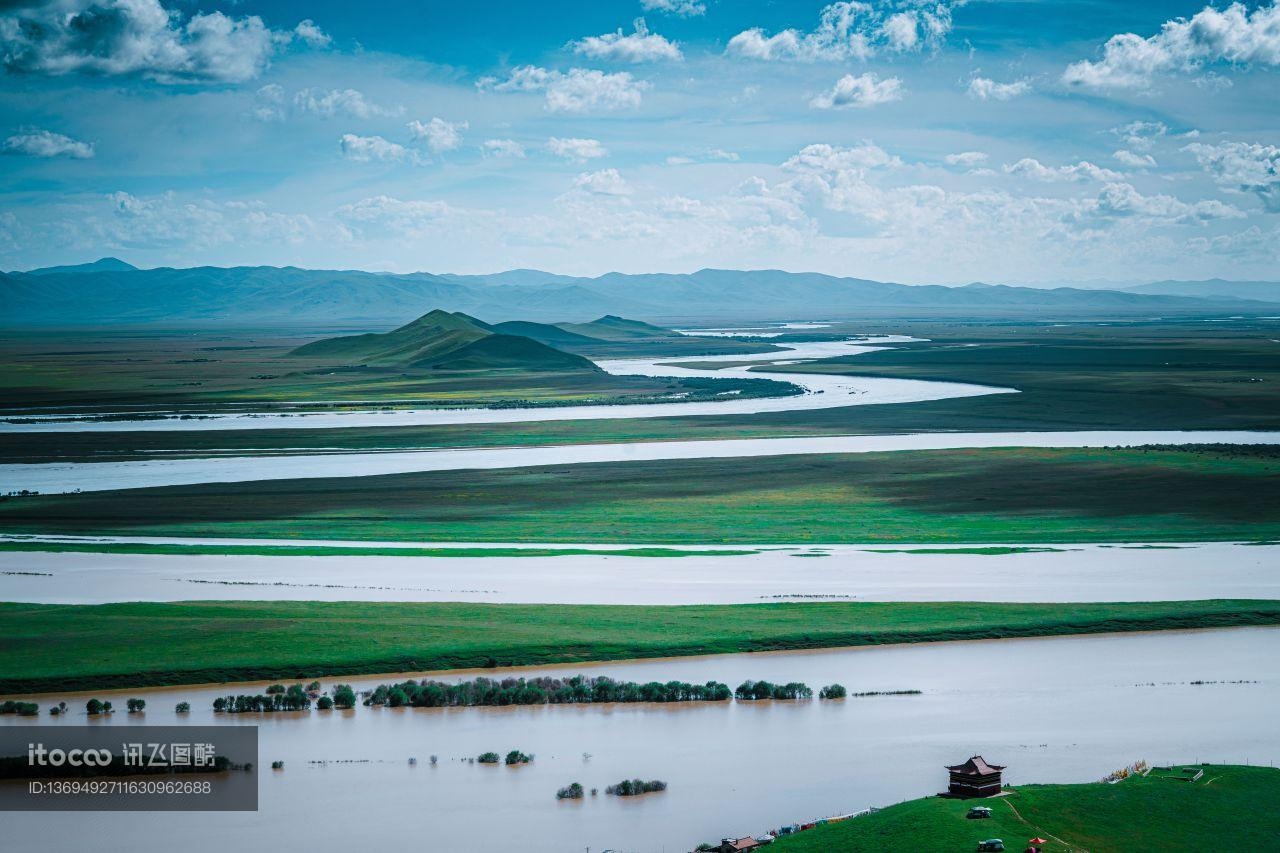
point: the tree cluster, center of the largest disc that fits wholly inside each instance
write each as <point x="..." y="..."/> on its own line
<point x="540" y="691"/>
<point x="753" y="690"/>
<point x="294" y="698"/>
<point x="633" y="787"/>
<point x="22" y="709"/>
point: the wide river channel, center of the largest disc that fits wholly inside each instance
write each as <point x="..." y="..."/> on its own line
<point x="821" y="392"/>
<point x="1056" y="709"/>
<point x="1062" y="573"/>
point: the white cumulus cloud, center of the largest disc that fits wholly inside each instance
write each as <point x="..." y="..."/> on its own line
<point x="1082" y="171"/>
<point x="965" y="158"/>
<point x="46" y="143"/>
<point x="682" y="8"/>
<point x="502" y="148"/>
<point x="1121" y="200"/>
<point x="1232" y="35"/>
<point x="1141" y="135"/>
<point x="332" y="102"/>
<point x="865" y="90"/>
<point x="576" y="150"/>
<point x="823" y="157"/>
<point x="140" y="37"/>
<point x="850" y="30"/>
<point x="579" y="90"/>
<point x="438" y="135"/>
<point x="1136" y="160"/>
<point x="1243" y="166"/>
<point x="986" y="89"/>
<point x="369" y="149"/>
<point x="639" y="46"/>
<point x="606" y="182"/>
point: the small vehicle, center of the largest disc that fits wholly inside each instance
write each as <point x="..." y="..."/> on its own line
<point x="991" y="844"/>
<point x="978" y="812"/>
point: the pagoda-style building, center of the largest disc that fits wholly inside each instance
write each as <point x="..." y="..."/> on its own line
<point x="974" y="778"/>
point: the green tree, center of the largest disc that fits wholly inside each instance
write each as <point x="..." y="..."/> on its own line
<point x="343" y="696"/>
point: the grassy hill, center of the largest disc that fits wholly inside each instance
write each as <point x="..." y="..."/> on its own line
<point x="1227" y="808"/>
<point x="445" y="341"/>
<point x="617" y="337"/>
<point x="611" y="328"/>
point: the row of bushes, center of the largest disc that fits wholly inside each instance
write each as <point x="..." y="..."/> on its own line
<point x="277" y="697"/>
<point x="478" y="692"/>
<point x="540" y="691"/>
<point x="634" y="787"/>
<point x="754" y="690"/>
<point x="294" y="698"/>
<point x="22" y="709"/>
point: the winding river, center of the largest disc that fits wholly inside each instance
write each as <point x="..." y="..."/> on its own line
<point x="821" y="392"/>
<point x="55" y="477"/>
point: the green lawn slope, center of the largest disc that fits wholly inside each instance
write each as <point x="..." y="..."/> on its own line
<point x="1228" y="808"/>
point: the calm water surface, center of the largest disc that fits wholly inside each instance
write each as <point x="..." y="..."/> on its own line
<point x="1061" y="709"/>
<point x="54" y="477"/>
<point x="846" y="572"/>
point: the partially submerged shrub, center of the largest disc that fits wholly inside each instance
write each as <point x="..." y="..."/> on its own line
<point x="572" y="792"/>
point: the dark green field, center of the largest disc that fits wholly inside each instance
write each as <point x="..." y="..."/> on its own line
<point x="60" y="547"/>
<point x="945" y="496"/>
<point x="226" y="371"/>
<point x="1228" y="808"/>
<point x="72" y="647"/>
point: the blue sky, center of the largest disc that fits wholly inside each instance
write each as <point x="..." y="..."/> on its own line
<point x="1014" y="141"/>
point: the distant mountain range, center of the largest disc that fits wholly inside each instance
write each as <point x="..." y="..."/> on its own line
<point x="1267" y="291"/>
<point x="110" y="292"/>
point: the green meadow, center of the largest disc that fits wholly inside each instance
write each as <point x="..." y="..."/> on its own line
<point x="922" y="497"/>
<point x="1228" y="808"/>
<point x="72" y="647"/>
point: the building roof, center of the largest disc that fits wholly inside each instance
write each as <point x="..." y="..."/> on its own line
<point x="976" y="766"/>
<point x="747" y="843"/>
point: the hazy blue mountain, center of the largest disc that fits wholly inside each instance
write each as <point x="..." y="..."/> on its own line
<point x="1268" y="291"/>
<point x="289" y="297"/>
<point x="100" y="265"/>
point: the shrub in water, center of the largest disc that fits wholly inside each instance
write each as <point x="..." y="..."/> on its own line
<point x="634" y="787"/>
